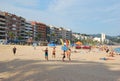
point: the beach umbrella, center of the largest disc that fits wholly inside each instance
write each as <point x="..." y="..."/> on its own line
<point x="67" y="42"/>
<point x="64" y="48"/>
<point x="78" y="43"/>
<point x="52" y="45"/>
<point x="117" y="50"/>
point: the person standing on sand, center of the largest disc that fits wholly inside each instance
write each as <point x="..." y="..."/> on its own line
<point x="69" y="54"/>
<point x="14" y="50"/>
<point x="53" y="53"/>
<point x="34" y="45"/>
<point x="63" y="55"/>
<point x="46" y="54"/>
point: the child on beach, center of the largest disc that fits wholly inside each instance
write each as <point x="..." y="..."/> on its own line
<point x="53" y="52"/>
<point x="46" y="54"/>
<point x="14" y="50"/>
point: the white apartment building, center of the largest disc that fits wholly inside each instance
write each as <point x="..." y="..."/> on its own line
<point x="54" y="33"/>
<point x="28" y="30"/>
<point x="65" y="33"/>
<point x="80" y="36"/>
<point x="57" y="33"/>
<point x="97" y="39"/>
<point x="103" y="37"/>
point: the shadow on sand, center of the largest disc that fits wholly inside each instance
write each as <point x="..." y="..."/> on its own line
<point x="40" y="70"/>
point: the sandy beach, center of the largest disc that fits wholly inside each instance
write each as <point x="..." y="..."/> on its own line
<point x="29" y="64"/>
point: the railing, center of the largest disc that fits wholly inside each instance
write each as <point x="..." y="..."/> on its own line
<point x="2" y="23"/>
<point x="2" y="35"/>
<point x="2" y="19"/>
<point x="3" y="27"/>
<point x="2" y="31"/>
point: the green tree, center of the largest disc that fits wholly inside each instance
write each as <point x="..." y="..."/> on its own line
<point x="53" y="36"/>
<point x="28" y="34"/>
<point x="48" y="37"/>
<point x="19" y="37"/>
<point x="38" y="37"/>
<point x="11" y="35"/>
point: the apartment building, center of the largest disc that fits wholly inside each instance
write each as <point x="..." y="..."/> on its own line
<point x="65" y="33"/>
<point x="48" y="33"/>
<point x="54" y="33"/>
<point x="103" y="37"/>
<point x="15" y="26"/>
<point x="39" y="30"/>
<point x="11" y="26"/>
<point x="27" y="31"/>
<point x="58" y="33"/>
<point x="2" y="25"/>
<point x="68" y="34"/>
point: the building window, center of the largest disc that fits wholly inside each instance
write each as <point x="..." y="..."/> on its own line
<point x="13" y="28"/>
<point x="14" y="18"/>
<point x="14" y="25"/>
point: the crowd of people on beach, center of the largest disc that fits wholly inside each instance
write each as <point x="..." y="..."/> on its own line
<point x="109" y="50"/>
<point x="67" y="53"/>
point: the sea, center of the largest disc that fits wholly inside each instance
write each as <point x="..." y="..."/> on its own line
<point x="117" y="50"/>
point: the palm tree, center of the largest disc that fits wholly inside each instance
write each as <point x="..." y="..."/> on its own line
<point x="28" y="34"/>
<point x="19" y="37"/>
<point x="48" y="37"/>
<point x="53" y="36"/>
<point x="38" y="36"/>
<point x="11" y="35"/>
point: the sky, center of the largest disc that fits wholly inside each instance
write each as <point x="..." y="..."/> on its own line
<point x="81" y="16"/>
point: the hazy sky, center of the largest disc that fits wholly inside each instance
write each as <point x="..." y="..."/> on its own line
<point x="83" y="16"/>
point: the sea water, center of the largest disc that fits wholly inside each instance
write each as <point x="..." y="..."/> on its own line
<point x="117" y="50"/>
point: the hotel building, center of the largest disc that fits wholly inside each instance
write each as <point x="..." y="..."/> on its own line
<point x="39" y="30"/>
<point x="28" y="30"/>
<point x="13" y="27"/>
<point x="2" y="25"/>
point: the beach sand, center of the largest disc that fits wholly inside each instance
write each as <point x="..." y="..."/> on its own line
<point x="29" y="64"/>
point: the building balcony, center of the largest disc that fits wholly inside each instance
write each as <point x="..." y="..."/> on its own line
<point x="2" y="35"/>
<point x="3" y="23"/>
<point x="2" y="16"/>
<point x="28" y="28"/>
<point x="3" y="27"/>
<point x="2" y="31"/>
<point x="3" y="19"/>
<point x="23" y="33"/>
